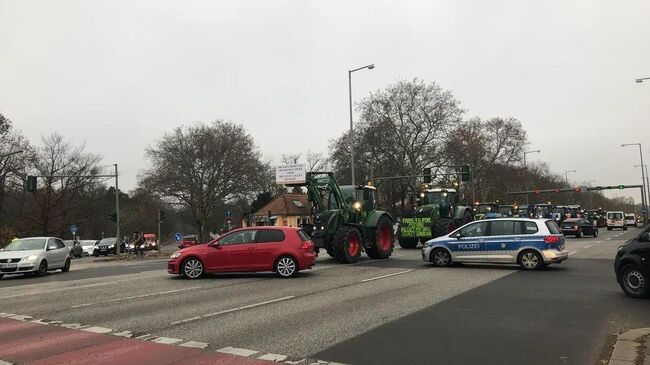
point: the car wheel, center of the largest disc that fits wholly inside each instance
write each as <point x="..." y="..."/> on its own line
<point x="579" y="234"/>
<point x="633" y="282"/>
<point x="441" y="257"/>
<point x="625" y="228"/>
<point x="530" y="260"/>
<point x="609" y="228"/>
<point x="192" y="268"/>
<point x="595" y="233"/>
<point x="42" y="268"/>
<point x="1" y="275"/>
<point x="66" y="267"/>
<point x="96" y="254"/>
<point x="286" y="267"/>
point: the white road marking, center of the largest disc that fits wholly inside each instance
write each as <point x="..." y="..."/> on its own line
<point x="127" y="334"/>
<point x="194" y="344"/>
<point x="136" y="297"/>
<point x="166" y="340"/>
<point x="387" y="276"/>
<point x="2" y="362"/>
<point x="54" y="290"/>
<point x="144" y="337"/>
<point x="21" y="317"/>
<point x="273" y="357"/>
<point x="97" y="329"/>
<point x="609" y="239"/>
<point x="572" y="253"/>
<point x="587" y="246"/>
<point x="237" y="351"/>
<point x="233" y="310"/>
<point x="74" y="326"/>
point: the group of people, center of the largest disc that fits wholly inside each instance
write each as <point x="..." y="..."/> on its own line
<point x="136" y="243"/>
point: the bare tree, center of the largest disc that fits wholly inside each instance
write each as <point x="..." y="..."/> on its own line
<point x="66" y="170"/>
<point x="204" y="166"/>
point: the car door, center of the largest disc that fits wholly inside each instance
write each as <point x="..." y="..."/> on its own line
<point x="469" y="245"/>
<point x="268" y="245"/>
<point x="502" y="244"/>
<point x="235" y="252"/>
<point x="53" y="255"/>
<point x="587" y="228"/>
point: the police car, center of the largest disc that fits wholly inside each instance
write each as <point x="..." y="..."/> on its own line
<point x="530" y="243"/>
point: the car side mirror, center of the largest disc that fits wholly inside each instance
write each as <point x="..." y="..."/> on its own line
<point x="215" y="244"/>
<point x="645" y="237"/>
<point x="53" y="247"/>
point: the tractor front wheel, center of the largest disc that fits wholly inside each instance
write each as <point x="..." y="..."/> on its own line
<point x="346" y="245"/>
<point x="444" y="226"/>
<point x="384" y="240"/>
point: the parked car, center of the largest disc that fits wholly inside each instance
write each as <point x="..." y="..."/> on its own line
<point x="189" y="240"/>
<point x="88" y="246"/>
<point x="107" y="247"/>
<point x="74" y="247"/>
<point x="630" y="219"/>
<point x="632" y="266"/>
<point x="34" y="255"/>
<point x="578" y="227"/>
<point x="150" y="242"/>
<point x="530" y="243"/>
<point x="616" y="220"/>
<point x="284" y="250"/>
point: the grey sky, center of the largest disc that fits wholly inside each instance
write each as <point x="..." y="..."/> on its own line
<point x="118" y="74"/>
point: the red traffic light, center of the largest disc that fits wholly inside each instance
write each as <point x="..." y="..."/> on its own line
<point x="536" y="191"/>
<point x="557" y="190"/>
<point x="577" y="189"/>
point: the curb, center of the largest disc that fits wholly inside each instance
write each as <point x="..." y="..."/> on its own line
<point x="629" y="348"/>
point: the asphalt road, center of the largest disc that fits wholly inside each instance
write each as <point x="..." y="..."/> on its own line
<point x="392" y="311"/>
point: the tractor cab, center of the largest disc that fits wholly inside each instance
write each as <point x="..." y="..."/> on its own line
<point x="544" y="210"/>
<point x="437" y="196"/>
<point x="361" y="198"/>
<point x="486" y="210"/>
<point x="508" y="210"/>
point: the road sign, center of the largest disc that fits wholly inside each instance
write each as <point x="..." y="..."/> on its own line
<point x="73" y="229"/>
<point x="178" y="236"/>
<point x="290" y="174"/>
<point x="228" y="213"/>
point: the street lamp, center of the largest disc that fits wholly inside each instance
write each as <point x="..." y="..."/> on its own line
<point x="638" y="81"/>
<point x="566" y="175"/>
<point x="643" y="183"/>
<point x="369" y="67"/>
<point x="525" y="173"/>
<point x="647" y="177"/>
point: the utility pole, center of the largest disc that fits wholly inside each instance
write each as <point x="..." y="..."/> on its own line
<point x="369" y="67"/>
<point x="117" y="214"/>
<point x="159" y="223"/>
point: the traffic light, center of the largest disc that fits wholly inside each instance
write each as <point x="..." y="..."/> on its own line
<point x="465" y="173"/>
<point x="113" y="218"/>
<point x="577" y="189"/>
<point x="427" y="175"/>
<point x="621" y="187"/>
<point x="31" y="184"/>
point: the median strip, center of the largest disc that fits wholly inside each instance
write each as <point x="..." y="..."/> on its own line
<point x="387" y="276"/>
<point x="232" y="310"/>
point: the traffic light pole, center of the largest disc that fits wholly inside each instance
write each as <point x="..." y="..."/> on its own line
<point x="159" y="223"/>
<point x="117" y="214"/>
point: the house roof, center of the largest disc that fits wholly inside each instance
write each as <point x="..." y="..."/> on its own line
<point x="286" y="204"/>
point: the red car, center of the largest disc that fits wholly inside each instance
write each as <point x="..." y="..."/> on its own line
<point x="283" y="250"/>
<point x="188" y="241"/>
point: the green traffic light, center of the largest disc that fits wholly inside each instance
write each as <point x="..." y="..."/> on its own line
<point x="621" y="187"/>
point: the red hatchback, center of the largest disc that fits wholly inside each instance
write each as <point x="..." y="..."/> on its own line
<point x="283" y="250"/>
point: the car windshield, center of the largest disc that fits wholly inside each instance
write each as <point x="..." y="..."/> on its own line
<point x="615" y="215"/>
<point x="107" y="241"/>
<point x="26" y="244"/>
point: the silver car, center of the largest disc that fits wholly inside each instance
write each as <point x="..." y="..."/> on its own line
<point x="34" y="255"/>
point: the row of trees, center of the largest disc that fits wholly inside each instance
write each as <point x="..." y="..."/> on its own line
<point x="201" y="170"/>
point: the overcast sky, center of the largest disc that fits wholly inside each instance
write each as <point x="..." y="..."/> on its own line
<point x="118" y="74"/>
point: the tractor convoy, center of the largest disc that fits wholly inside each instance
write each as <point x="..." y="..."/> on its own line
<point x="347" y="220"/>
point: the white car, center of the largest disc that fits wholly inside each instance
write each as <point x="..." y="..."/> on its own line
<point x="630" y="219"/>
<point x="34" y="255"/>
<point x="88" y="246"/>
<point x="616" y="220"/>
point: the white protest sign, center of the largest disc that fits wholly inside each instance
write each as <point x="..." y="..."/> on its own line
<point x="290" y="174"/>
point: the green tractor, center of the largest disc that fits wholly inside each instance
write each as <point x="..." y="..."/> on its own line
<point x="438" y="212"/>
<point x="346" y="219"/>
<point x="484" y="210"/>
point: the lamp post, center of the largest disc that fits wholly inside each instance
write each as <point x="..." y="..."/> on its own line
<point x="643" y="188"/>
<point x="640" y="80"/>
<point x="525" y="168"/>
<point x="647" y="180"/>
<point x="369" y="67"/>
<point x="566" y="175"/>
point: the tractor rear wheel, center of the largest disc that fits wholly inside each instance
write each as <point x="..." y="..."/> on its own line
<point x="408" y="242"/>
<point x="346" y="245"/>
<point x="330" y="251"/>
<point x="444" y="226"/>
<point x="383" y="240"/>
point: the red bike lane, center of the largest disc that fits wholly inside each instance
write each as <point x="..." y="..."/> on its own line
<point x="32" y="343"/>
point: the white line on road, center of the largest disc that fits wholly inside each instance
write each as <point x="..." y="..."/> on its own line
<point x="233" y="310"/>
<point x="573" y="253"/>
<point x="237" y="351"/>
<point x="194" y="344"/>
<point x="273" y="357"/>
<point x="55" y="290"/>
<point x="97" y="329"/>
<point x="2" y="362"/>
<point x="387" y="276"/>
<point x="136" y="296"/>
<point x="166" y="340"/>
<point x="587" y="246"/>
